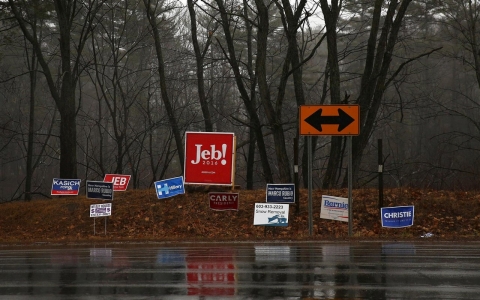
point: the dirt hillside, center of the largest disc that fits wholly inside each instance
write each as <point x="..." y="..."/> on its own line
<point x="137" y="215"/>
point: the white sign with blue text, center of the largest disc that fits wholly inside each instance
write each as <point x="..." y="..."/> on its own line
<point x="169" y="187"/>
<point x="280" y="193"/>
<point x="100" y="210"/>
<point x="267" y="214"/>
<point x="334" y="208"/>
<point x="398" y="216"/>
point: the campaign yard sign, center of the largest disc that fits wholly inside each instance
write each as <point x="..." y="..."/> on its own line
<point x="223" y="201"/>
<point x="99" y="190"/>
<point x="267" y="214"/>
<point x="169" y="187"/>
<point x="334" y="208"/>
<point x="120" y="182"/>
<point x="280" y="193"/>
<point x="397" y="217"/>
<point x="65" y="186"/>
<point x="100" y="210"/>
<point x="209" y="158"/>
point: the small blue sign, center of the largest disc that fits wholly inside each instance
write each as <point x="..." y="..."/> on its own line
<point x="281" y="193"/>
<point x="99" y="190"/>
<point x="397" y="217"/>
<point x="169" y="187"/>
<point x="65" y="186"/>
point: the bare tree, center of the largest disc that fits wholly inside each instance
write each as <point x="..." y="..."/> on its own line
<point x="74" y="23"/>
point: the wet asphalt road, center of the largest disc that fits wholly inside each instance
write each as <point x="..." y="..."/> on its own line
<point x="314" y="270"/>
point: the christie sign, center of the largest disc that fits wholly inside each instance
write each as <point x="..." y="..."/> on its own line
<point x="397" y="217"/>
<point x="209" y="158"/>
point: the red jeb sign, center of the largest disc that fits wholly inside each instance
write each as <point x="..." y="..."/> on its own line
<point x="223" y="201"/>
<point x="211" y="274"/>
<point x="120" y="182"/>
<point x="209" y="158"/>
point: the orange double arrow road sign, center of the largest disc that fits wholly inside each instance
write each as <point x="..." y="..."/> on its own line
<point x="329" y="119"/>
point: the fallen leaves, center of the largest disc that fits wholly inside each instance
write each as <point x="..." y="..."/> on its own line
<point x="139" y="215"/>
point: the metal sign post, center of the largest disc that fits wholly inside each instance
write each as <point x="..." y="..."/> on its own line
<point x="330" y="120"/>
<point x="350" y="184"/>
<point x="310" y="203"/>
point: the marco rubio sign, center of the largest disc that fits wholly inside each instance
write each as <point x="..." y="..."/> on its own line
<point x="223" y="201"/>
<point x="100" y="210"/>
<point x="397" y="217"/>
<point x="280" y="193"/>
<point x="209" y="158"/>
<point x="120" y="182"/>
<point x="334" y="208"/>
<point x="65" y="186"/>
<point x="99" y="190"/>
<point x="169" y="187"/>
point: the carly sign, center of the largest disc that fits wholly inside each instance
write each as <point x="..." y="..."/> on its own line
<point x="223" y="201"/>
<point x="267" y="214"/>
<point x="120" y="182"/>
<point x="397" y="217"/>
<point x="209" y="158"/>
<point x="65" y="186"/>
<point x="334" y="208"/>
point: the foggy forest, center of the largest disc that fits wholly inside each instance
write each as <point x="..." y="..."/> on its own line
<point x="92" y="87"/>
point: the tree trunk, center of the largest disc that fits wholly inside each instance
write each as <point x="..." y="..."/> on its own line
<point x="249" y="105"/>
<point x="331" y="13"/>
<point x="273" y="114"/>
<point x="31" y="127"/>
<point x="199" y="57"/>
<point x="163" y="82"/>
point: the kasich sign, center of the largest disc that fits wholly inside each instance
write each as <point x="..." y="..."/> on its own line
<point x="99" y="190"/>
<point x="223" y="201"/>
<point x="397" y="217"/>
<point x="120" y="182"/>
<point x="100" y="210"/>
<point x="209" y="158"/>
<point x="65" y="186"/>
<point x="169" y="187"/>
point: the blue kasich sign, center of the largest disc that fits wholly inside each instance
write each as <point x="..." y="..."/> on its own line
<point x="397" y="217"/>
<point x="65" y="186"/>
<point x="281" y="193"/>
<point x="169" y="187"/>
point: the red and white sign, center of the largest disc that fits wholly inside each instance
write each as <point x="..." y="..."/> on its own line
<point x="120" y="182"/>
<point x="212" y="273"/>
<point x="223" y="201"/>
<point x="209" y="158"/>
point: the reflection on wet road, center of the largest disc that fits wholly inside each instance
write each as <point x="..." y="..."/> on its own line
<point x="243" y="271"/>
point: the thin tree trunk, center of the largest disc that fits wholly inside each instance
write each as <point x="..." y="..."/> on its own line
<point x="249" y="104"/>
<point x="199" y="57"/>
<point x="163" y="82"/>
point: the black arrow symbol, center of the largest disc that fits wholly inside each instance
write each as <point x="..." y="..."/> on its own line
<point x="316" y="120"/>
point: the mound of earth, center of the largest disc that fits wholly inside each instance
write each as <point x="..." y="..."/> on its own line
<point x="137" y="215"/>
